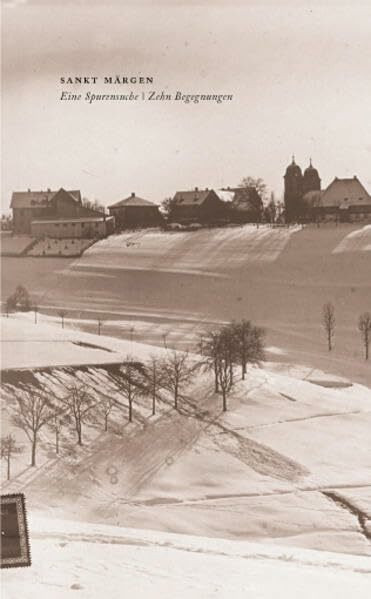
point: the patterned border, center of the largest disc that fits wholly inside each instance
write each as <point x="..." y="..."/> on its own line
<point x="24" y="559"/>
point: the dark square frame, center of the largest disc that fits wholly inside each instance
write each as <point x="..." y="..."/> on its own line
<point x="24" y="558"/>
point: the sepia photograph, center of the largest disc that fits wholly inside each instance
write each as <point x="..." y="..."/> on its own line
<point x="185" y="299"/>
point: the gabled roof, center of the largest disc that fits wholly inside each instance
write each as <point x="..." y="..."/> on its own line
<point x="132" y="200"/>
<point x="69" y="195"/>
<point x="196" y="197"/>
<point x="37" y="199"/>
<point x="343" y="192"/>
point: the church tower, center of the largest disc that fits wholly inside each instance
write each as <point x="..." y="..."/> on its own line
<point x="293" y="191"/>
<point x="311" y="180"/>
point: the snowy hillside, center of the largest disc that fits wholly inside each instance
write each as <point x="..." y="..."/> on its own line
<point x="208" y="251"/>
<point x="288" y="462"/>
<point x="92" y="561"/>
<point x="175" y="284"/>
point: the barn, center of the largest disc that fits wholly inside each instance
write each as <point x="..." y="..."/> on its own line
<point x="197" y="206"/>
<point x="30" y="205"/>
<point x="59" y="214"/>
<point x="133" y="212"/>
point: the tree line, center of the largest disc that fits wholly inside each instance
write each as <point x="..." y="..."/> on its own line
<point x="221" y="351"/>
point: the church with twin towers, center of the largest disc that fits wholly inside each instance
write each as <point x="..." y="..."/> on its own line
<point x="297" y="185"/>
<point x="343" y="200"/>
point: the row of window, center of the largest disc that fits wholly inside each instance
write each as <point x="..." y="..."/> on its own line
<point x="73" y="224"/>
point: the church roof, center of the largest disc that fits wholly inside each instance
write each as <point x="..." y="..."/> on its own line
<point x="345" y="192"/>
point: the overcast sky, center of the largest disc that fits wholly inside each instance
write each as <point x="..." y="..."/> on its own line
<point x="300" y="74"/>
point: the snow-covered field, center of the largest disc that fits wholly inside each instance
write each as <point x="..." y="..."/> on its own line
<point x="177" y="283"/>
<point x="91" y="561"/>
<point x="46" y="343"/>
<point x="255" y="498"/>
<point x="207" y="251"/>
<point x="278" y="466"/>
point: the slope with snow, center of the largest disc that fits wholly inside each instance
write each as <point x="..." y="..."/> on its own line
<point x="269" y="467"/>
<point x="94" y="561"/>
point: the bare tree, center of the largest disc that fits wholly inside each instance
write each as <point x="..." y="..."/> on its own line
<point x="19" y="300"/>
<point x="8" y="448"/>
<point x="177" y="373"/>
<point x="56" y="423"/>
<point x="62" y="314"/>
<point x="328" y="323"/>
<point x="79" y="404"/>
<point x="9" y="306"/>
<point x="226" y="355"/>
<point x="100" y="323"/>
<point x="167" y="207"/>
<point x="93" y="205"/>
<point x="33" y="411"/>
<point x="270" y="211"/>
<point x="216" y="344"/>
<point x="107" y="404"/>
<point x="249" y="343"/>
<point x="208" y="348"/>
<point x="35" y="311"/>
<point x="155" y="379"/>
<point x="258" y="183"/>
<point x="130" y="383"/>
<point x="228" y="348"/>
<point x="224" y="377"/>
<point x="364" y="327"/>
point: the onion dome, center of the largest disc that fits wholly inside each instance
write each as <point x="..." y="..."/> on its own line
<point x="293" y="168"/>
<point x="310" y="170"/>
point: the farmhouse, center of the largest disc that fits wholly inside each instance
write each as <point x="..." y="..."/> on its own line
<point x="135" y="212"/>
<point x="243" y="204"/>
<point x="29" y="205"/>
<point x="344" y="200"/>
<point x="197" y="206"/>
<point x="57" y="214"/>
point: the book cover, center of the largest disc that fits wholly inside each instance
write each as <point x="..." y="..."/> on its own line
<point x="186" y="298"/>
